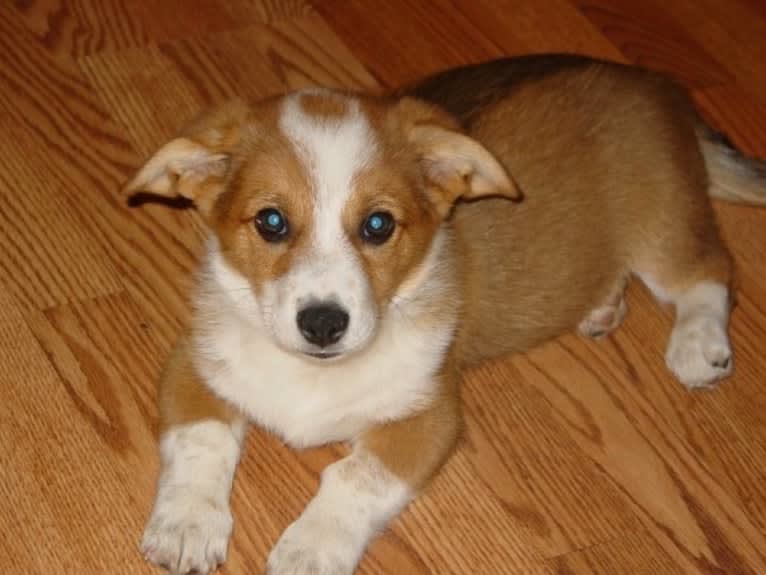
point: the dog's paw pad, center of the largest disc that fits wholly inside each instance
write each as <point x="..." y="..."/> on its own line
<point x="187" y="538"/>
<point x="603" y="320"/>
<point x="722" y="363"/>
<point x="699" y="352"/>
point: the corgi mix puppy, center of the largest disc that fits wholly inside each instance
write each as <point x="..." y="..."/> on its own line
<point x="364" y="249"/>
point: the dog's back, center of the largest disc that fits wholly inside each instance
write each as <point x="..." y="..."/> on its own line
<point x="615" y="182"/>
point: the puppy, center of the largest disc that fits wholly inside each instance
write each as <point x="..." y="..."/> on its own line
<point x="365" y="249"/>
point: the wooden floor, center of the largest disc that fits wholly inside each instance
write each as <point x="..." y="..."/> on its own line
<point x="578" y="458"/>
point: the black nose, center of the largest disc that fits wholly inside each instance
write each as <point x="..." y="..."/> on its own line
<point x="323" y="324"/>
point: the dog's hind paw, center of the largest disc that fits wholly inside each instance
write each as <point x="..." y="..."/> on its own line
<point x="603" y="320"/>
<point x="699" y="352"/>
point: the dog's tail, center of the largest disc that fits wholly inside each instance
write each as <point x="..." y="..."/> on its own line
<point x="734" y="177"/>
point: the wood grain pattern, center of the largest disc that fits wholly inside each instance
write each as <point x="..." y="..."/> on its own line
<point x="642" y="557"/>
<point x="82" y="27"/>
<point x="578" y="458"/>
<point x="648" y="35"/>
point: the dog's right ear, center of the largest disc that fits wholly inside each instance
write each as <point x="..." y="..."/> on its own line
<point x="195" y="165"/>
<point x="455" y="166"/>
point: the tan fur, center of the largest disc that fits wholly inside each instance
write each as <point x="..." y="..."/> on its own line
<point x="388" y="264"/>
<point x="321" y="105"/>
<point x="416" y="447"/>
<point x="592" y="211"/>
<point x="184" y="397"/>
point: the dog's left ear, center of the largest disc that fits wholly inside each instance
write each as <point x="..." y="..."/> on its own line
<point x="454" y="165"/>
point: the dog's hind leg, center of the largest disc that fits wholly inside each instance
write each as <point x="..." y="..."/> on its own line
<point x="607" y="317"/>
<point x="692" y="269"/>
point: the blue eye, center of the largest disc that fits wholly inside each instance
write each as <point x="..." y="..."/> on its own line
<point x="271" y="224"/>
<point x="274" y="220"/>
<point x="377" y="228"/>
<point x="376" y="222"/>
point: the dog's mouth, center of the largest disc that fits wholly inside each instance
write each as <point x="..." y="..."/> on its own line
<point x="323" y="355"/>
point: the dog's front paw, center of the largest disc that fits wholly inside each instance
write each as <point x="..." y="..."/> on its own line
<point x="312" y="548"/>
<point x="699" y="352"/>
<point x="187" y="535"/>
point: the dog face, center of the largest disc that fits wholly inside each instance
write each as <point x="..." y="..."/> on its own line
<point x="326" y="203"/>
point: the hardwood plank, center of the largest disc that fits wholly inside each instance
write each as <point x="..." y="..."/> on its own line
<point x="509" y="23"/>
<point x="147" y="93"/>
<point x="720" y="428"/>
<point x="45" y="244"/>
<point x="48" y="255"/>
<point x="461" y="526"/>
<point x="264" y="507"/>
<point x="70" y="28"/>
<point x="28" y="442"/>
<point x="152" y="91"/>
<point x="60" y="120"/>
<point x="76" y="28"/>
<point x="647" y="36"/>
<point x="414" y="42"/>
<point x="269" y="11"/>
<point x="307" y="52"/>
<point x="638" y="555"/>
<point x="530" y="462"/>
<point x="732" y="31"/>
<point x="740" y="115"/>
<point x="74" y="438"/>
<point x="642" y="452"/>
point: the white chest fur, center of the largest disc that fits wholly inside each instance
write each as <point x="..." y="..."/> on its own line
<point x="310" y="402"/>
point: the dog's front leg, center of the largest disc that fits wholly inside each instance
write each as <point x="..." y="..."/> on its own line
<point x="200" y="441"/>
<point x="359" y="494"/>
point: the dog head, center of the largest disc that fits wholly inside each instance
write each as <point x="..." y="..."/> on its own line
<point x="325" y="203"/>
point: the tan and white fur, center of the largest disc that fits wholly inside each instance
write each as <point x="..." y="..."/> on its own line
<point x="615" y="169"/>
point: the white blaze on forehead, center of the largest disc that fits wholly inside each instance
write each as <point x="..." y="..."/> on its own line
<point x="334" y="149"/>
